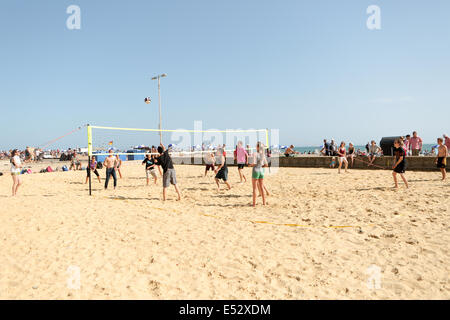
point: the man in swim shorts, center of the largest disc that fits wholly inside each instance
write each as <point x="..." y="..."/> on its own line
<point x="222" y="169"/>
<point x="441" y="160"/>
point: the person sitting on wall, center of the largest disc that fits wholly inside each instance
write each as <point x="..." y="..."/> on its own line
<point x="290" y="150"/>
<point x="374" y="151"/>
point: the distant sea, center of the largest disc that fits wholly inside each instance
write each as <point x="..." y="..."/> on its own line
<point x="426" y="147"/>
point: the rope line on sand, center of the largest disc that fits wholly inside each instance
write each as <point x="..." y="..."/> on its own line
<point x="260" y="221"/>
<point x="355" y="158"/>
<point x="286" y="224"/>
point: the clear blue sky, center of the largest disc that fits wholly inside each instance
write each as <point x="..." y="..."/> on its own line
<point x="309" y="68"/>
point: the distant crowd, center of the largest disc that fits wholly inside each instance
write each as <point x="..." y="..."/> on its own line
<point x="413" y="146"/>
<point x="30" y="154"/>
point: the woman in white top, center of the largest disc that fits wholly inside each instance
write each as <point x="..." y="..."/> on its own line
<point x="16" y="166"/>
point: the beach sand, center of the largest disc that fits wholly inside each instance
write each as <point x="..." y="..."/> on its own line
<point x="322" y="236"/>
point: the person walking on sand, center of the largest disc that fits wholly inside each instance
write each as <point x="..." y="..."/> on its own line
<point x="119" y="164"/>
<point x="416" y="144"/>
<point x="222" y="169"/>
<point x="441" y="159"/>
<point x="342" y="153"/>
<point x="258" y="164"/>
<point x="16" y="166"/>
<point x="169" y="174"/>
<point x="110" y="164"/>
<point x="447" y="142"/>
<point x="399" y="166"/>
<point x="242" y="160"/>
<point x="92" y="167"/>
<point x="150" y="165"/>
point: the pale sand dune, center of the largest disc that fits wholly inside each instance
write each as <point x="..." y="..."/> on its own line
<point x="128" y="244"/>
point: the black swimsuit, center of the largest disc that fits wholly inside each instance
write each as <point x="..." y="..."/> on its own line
<point x="399" y="153"/>
<point x="441" y="162"/>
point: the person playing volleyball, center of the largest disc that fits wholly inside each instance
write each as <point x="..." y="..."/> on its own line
<point x="399" y="166"/>
<point x="222" y="169"/>
<point x="92" y="166"/>
<point x="110" y="164"/>
<point x="258" y="164"/>
<point x="342" y="153"/>
<point x="210" y="160"/>
<point x="169" y="174"/>
<point x="242" y="159"/>
<point x="149" y="168"/>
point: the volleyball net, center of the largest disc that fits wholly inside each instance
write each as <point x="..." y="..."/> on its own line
<point x="180" y="142"/>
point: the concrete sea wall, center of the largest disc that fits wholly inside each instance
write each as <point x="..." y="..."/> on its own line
<point x="360" y="162"/>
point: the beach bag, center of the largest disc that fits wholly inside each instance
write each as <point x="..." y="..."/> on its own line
<point x="29" y="171"/>
<point x="64" y="168"/>
<point x="49" y="169"/>
<point x="23" y="171"/>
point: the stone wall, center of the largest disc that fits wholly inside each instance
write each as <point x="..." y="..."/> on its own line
<point x="413" y="163"/>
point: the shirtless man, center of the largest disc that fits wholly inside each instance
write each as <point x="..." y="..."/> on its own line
<point x="441" y="160"/>
<point x="290" y="151"/>
<point x="110" y="164"/>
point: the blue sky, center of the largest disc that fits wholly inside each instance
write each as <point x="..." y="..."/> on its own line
<point x="309" y="68"/>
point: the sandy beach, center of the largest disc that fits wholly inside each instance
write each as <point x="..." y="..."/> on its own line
<point x="317" y="238"/>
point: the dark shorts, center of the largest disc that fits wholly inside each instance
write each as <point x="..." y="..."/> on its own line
<point x="222" y="174"/>
<point x="401" y="168"/>
<point x="89" y="172"/>
<point x="441" y="162"/>
<point x="241" y="165"/>
<point x="210" y="166"/>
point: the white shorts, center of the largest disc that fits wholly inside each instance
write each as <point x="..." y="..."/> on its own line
<point x="150" y="172"/>
<point x="342" y="159"/>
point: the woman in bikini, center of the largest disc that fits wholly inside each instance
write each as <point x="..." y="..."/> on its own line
<point x="16" y="166"/>
<point x="342" y="153"/>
